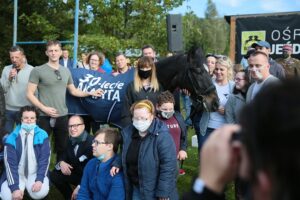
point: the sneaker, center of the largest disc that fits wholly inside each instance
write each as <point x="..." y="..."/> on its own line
<point x="181" y="172"/>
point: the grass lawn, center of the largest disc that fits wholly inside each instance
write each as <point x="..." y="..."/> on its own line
<point x="191" y="170"/>
<point x="184" y="181"/>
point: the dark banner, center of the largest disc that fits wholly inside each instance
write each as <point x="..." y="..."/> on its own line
<point x="277" y="30"/>
<point x="105" y="109"/>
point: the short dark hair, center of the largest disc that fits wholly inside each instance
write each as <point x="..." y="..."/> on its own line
<point x="270" y="132"/>
<point x="29" y="109"/>
<point x="111" y="136"/>
<point x="147" y="46"/>
<point x="255" y="53"/>
<point x="165" y="97"/>
<point x="16" y="48"/>
<point x="120" y="54"/>
<point x="53" y="43"/>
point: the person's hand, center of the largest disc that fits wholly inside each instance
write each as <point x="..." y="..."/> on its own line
<point x="186" y="92"/>
<point x="182" y="155"/>
<point x="36" y="187"/>
<point x="17" y="195"/>
<point x="65" y="168"/>
<point x="12" y="74"/>
<point x="114" y="171"/>
<point x="97" y="93"/>
<point x="219" y="158"/>
<point x="52" y="112"/>
<point x="221" y="110"/>
<point x="75" y="192"/>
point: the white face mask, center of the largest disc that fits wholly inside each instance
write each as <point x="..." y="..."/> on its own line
<point x="258" y="74"/>
<point x="167" y="115"/>
<point x="142" y="125"/>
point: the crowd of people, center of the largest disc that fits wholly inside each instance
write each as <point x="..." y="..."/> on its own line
<point x="256" y="100"/>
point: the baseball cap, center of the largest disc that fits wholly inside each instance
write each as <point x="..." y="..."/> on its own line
<point x="287" y="47"/>
<point x="261" y="44"/>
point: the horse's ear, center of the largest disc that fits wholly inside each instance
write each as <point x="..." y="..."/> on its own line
<point x="195" y="56"/>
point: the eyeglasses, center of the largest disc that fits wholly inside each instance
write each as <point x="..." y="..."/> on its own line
<point x="58" y="76"/>
<point x="238" y="79"/>
<point x="74" y="126"/>
<point x="97" y="142"/>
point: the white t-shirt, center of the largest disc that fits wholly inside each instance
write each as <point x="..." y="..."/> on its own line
<point x="256" y="88"/>
<point x="65" y="62"/>
<point x="216" y="120"/>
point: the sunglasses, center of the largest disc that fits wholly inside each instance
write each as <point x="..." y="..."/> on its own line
<point x="58" y="76"/>
<point x="221" y="57"/>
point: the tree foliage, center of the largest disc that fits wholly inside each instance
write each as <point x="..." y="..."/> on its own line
<point x="105" y="25"/>
<point x="211" y="33"/>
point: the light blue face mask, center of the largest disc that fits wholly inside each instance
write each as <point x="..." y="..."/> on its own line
<point x="28" y="127"/>
<point x="101" y="157"/>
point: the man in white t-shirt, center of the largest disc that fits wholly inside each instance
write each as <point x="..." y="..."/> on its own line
<point x="259" y="71"/>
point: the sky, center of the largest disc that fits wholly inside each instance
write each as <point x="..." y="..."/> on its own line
<point x="239" y="7"/>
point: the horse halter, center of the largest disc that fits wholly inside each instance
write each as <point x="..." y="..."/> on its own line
<point x="203" y="96"/>
<point x="200" y="102"/>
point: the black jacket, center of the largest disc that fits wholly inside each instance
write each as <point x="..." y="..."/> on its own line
<point x="84" y="149"/>
<point x="132" y="96"/>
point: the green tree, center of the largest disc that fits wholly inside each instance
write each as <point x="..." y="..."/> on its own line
<point x="192" y="32"/>
<point x="128" y="24"/>
<point x="215" y="31"/>
<point x="211" y="33"/>
<point x="106" y="25"/>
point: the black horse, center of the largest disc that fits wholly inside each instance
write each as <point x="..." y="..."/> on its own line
<point x="179" y="71"/>
<point x="188" y="72"/>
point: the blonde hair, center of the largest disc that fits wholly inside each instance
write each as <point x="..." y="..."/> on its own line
<point x="143" y="104"/>
<point x="226" y="62"/>
<point x="145" y="62"/>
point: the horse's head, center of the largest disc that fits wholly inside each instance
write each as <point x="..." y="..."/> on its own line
<point x="199" y="82"/>
<point x="188" y="72"/>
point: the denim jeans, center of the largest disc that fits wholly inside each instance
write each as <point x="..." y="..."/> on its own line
<point x="187" y="107"/>
<point x="136" y="195"/>
<point x="12" y="117"/>
<point x="201" y="138"/>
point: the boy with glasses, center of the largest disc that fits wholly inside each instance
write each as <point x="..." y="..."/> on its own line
<point x="96" y="182"/>
<point x="69" y="169"/>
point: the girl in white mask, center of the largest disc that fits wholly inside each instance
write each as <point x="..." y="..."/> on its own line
<point x="148" y="156"/>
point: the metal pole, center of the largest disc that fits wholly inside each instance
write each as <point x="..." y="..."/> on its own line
<point x="76" y="33"/>
<point x="15" y="22"/>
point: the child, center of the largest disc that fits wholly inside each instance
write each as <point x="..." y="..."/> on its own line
<point x="175" y="123"/>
